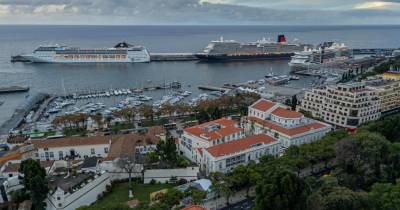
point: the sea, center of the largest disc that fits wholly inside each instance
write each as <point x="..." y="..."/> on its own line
<point x="68" y="78"/>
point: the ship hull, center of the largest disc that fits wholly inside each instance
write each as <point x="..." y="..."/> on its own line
<point x="250" y="57"/>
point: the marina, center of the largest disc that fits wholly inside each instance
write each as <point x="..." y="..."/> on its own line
<point x="83" y="80"/>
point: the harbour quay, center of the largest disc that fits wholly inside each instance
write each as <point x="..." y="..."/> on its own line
<point x="173" y="57"/>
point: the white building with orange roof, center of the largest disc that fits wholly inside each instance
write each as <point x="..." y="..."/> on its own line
<point x="226" y="156"/>
<point x="195" y="139"/>
<point x="289" y="127"/>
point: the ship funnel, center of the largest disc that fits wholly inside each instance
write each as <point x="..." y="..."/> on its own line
<point x="281" y="38"/>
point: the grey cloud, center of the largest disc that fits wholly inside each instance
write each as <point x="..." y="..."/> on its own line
<point x="189" y="12"/>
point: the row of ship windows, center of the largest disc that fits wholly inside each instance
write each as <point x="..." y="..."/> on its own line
<point x="98" y="57"/>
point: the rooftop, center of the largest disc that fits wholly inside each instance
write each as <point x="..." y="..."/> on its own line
<point x="69" y="183"/>
<point x="292" y="131"/>
<point x="214" y="129"/>
<point x="14" y="167"/>
<point x="125" y="144"/>
<point x="284" y="113"/>
<point x="194" y="207"/>
<point x="239" y="145"/>
<point x="263" y="105"/>
<point x="71" y="141"/>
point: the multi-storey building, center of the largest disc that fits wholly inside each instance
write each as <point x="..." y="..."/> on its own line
<point x="343" y="105"/>
<point x="388" y="92"/>
<point x="392" y="74"/>
<point x="195" y="139"/>
<point x="289" y="127"/>
<point x="226" y="156"/>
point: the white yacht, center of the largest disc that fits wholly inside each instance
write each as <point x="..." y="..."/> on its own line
<point x="121" y="53"/>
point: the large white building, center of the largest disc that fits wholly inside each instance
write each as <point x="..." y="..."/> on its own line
<point x="289" y="127"/>
<point x="343" y="105"/>
<point x="72" y="148"/>
<point x="226" y="156"/>
<point x="199" y="137"/>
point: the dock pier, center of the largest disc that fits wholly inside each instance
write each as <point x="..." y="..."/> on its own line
<point x="173" y="57"/>
<point x="214" y="88"/>
<point x="13" y="89"/>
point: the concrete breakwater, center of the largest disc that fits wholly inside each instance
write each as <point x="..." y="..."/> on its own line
<point x="31" y="103"/>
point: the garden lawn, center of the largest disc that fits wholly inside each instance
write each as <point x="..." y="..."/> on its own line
<point x="119" y="193"/>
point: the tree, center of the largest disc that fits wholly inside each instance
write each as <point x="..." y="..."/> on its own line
<point x="283" y="190"/>
<point x="342" y="198"/>
<point x="167" y="150"/>
<point x="35" y="182"/>
<point x="128" y="114"/>
<point x="148" y="112"/>
<point x="98" y="118"/>
<point x="386" y="196"/>
<point x="153" y="157"/>
<point x="222" y="185"/>
<point x="294" y="103"/>
<point x="171" y="198"/>
<point x="197" y="195"/>
<point x="360" y="159"/>
<point x="128" y="164"/>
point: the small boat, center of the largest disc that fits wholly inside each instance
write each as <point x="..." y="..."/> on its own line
<point x="269" y="75"/>
<point x="54" y="110"/>
<point x="294" y="77"/>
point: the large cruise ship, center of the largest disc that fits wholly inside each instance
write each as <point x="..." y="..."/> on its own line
<point x="231" y="50"/>
<point x="325" y="53"/>
<point x="121" y="53"/>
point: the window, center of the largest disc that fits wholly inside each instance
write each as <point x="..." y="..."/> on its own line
<point x="51" y="154"/>
<point x="92" y="151"/>
<point x="60" y="155"/>
<point x="105" y="149"/>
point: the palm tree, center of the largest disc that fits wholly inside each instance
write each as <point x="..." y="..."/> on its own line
<point x="98" y="118"/>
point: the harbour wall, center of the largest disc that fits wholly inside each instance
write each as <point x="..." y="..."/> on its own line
<point x="173" y="57"/>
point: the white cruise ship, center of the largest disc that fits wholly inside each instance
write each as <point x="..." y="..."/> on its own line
<point x="121" y="53"/>
<point x="327" y="52"/>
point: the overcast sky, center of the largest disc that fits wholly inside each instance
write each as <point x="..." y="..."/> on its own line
<point x="264" y="12"/>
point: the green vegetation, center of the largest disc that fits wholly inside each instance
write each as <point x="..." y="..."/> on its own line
<point x="121" y="126"/>
<point x="340" y="171"/>
<point x="35" y="183"/>
<point x="380" y="69"/>
<point x="117" y="197"/>
<point x="75" y="132"/>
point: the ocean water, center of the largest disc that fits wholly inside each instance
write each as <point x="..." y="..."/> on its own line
<point x="75" y="77"/>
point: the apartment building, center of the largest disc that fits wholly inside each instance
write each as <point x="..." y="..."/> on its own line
<point x="345" y="105"/>
<point x="388" y="92"/>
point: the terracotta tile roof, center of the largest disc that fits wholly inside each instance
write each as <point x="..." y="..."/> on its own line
<point x="14" y="167"/>
<point x="284" y="113"/>
<point x="148" y="138"/>
<point x="125" y="144"/>
<point x="263" y="105"/>
<point x="194" y="207"/>
<point x="288" y="131"/>
<point x="200" y="151"/>
<point x="228" y="128"/>
<point x="235" y="146"/>
<point x="71" y="141"/>
<point x="10" y="156"/>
